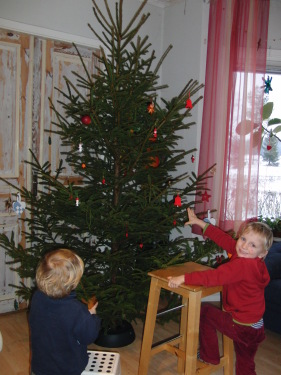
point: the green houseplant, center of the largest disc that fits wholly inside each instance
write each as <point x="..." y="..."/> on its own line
<point x="273" y="223"/>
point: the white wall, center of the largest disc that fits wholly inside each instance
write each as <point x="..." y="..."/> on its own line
<point x="274" y="36"/>
<point x="69" y="18"/>
<point x="186" y="28"/>
<point x="274" y="29"/>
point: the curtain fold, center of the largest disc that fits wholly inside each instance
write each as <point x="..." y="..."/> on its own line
<point x="232" y="112"/>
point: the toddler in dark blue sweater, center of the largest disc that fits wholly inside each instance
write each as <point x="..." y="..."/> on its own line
<point x="61" y="326"/>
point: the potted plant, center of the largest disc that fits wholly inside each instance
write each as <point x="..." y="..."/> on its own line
<point x="273" y="223"/>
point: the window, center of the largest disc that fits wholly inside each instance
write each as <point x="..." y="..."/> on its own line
<point x="269" y="195"/>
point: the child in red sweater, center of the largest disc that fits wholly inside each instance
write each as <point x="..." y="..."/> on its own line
<point x="244" y="279"/>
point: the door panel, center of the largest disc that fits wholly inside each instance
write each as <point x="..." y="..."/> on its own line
<point x="9" y="108"/>
<point x="15" y="91"/>
<point x="30" y="70"/>
<point x="62" y="60"/>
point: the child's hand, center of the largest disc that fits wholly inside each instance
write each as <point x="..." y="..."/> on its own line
<point x="176" y="281"/>
<point x="93" y="310"/>
<point x="193" y="219"/>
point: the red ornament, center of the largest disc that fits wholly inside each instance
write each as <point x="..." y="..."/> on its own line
<point x="177" y="201"/>
<point x="103" y="181"/>
<point x="175" y="222"/>
<point x="141" y="245"/>
<point x="155" y="133"/>
<point x="189" y="102"/>
<point x="150" y="108"/>
<point x="155" y="161"/>
<point x="205" y="197"/>
<point x="269" y="147"/>
<point x="192" y="159"/>
<point x="126" y="233"/>
<point x="219" y="259"/>
<point x="86" y="120"/>
<point x="83" y="165"/>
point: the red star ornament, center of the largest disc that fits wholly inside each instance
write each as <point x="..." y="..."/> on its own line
<point x="205" y="197"/>
<point x="155" y="161"/>
<point x="150" y="108"/>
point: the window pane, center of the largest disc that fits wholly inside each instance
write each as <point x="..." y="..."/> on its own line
<point x="269" y="199"/>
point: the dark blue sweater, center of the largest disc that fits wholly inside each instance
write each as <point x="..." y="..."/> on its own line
<point x="60" y="329"/>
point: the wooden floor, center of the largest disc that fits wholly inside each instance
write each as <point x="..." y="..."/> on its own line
<point x="14" y="358"/>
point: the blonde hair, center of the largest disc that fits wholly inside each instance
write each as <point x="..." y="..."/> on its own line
<point x="262" y="229"/>
<point x="59" y="273"/>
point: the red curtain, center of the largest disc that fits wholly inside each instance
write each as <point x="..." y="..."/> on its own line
<point x="232" y="112"/>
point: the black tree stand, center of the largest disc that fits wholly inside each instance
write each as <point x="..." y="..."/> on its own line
<point x="118" y="337"/>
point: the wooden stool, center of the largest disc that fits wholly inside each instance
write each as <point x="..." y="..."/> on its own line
<point x="187" y="341"/>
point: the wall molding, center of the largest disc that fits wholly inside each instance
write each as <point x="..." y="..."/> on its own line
<point x="273" y="60"/>
<point x="48" y="33"/>
<point x="163" y="3"/>
<point x="273" y="55"/>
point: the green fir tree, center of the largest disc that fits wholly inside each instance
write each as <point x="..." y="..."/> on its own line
<point x="122" y="225"/>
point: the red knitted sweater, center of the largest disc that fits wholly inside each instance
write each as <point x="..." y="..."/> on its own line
<point x="243" y="280"/>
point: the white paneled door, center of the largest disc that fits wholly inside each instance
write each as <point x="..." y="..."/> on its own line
<point x="15" y="129"/>
<point x="30" y="70"/>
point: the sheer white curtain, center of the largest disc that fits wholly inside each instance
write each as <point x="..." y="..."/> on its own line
<point x="232" y="113"/>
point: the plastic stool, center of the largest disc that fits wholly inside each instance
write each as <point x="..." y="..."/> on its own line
<point x="103" y="363"/>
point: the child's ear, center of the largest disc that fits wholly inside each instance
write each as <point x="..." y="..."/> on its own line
<point x="264" y="254"/>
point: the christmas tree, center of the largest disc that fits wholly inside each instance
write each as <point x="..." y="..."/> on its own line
<point x="122" y="141"/>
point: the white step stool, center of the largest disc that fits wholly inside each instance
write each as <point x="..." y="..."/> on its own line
<point x="103" y="363"/>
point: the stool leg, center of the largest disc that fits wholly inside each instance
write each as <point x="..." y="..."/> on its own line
<point x="152" y="307"/>
<point x="192" y="332"/>
<point x="183" y="330"/>
<point x="228" y="353"/>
